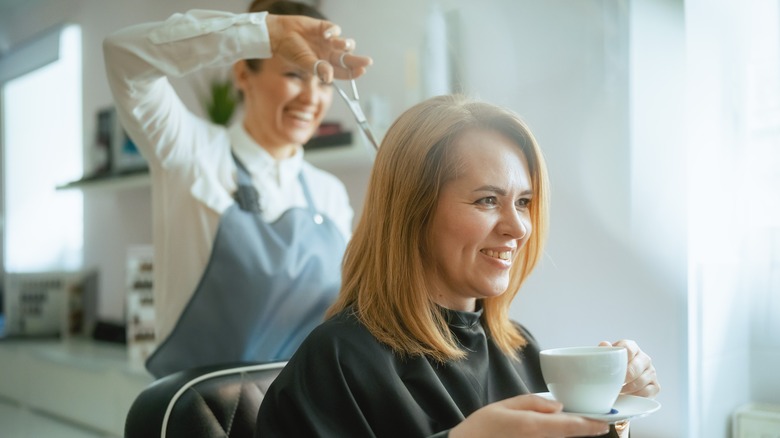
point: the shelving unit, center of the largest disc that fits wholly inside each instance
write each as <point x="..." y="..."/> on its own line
<point x="110" y="182"/>
<point x="141" y="341"/>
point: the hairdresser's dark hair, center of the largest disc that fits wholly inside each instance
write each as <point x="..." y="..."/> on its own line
<point x="280" y="7"/>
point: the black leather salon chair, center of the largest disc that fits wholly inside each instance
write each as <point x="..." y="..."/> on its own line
<point x="215" y="401"/>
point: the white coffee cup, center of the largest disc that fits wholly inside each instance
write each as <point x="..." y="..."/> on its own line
<point x="585" y="379"/>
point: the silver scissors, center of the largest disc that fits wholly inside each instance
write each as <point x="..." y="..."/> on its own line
<point x="353" y="102"/>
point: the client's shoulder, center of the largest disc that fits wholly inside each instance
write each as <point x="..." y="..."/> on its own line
<point x="344" y="329"/>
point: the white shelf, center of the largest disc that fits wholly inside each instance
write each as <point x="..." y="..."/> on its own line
<point x="109" y="183"/>
<point x="358" y="154"/>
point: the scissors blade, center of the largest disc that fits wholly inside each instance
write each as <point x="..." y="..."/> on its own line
<point x="353" y="105"/>
<point x="369" y="134"/>
<point x="357" y="111"/>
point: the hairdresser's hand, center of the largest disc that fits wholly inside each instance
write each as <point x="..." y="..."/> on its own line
<point x="641" y="379"/>
<point x="304" y="40"/>
<point x="526" y="416"/>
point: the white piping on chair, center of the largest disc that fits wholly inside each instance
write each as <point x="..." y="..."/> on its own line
<point x="188" y="385"/>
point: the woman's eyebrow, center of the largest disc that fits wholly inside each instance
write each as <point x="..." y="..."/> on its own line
<point x="293" y="68"/>
<point x="500" y="191"/>
<point x="492" y="189"/>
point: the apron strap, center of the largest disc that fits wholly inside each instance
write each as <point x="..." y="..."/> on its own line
<point x="246" y="195"/>
<point x="248" y="199"/>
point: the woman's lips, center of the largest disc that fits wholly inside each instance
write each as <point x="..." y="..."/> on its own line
<point x="304" y="116"/>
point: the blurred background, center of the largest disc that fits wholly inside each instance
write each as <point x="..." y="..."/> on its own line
<point x="660" y="120"/>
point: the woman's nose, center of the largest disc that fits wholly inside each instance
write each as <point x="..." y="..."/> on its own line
<point x="310" y="91"/>
<point x="515" y="224"/>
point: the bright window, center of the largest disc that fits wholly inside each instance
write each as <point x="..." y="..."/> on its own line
<point x="42" y="147"/>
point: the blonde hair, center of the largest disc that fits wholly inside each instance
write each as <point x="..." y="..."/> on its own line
<point x="384" y="278"/>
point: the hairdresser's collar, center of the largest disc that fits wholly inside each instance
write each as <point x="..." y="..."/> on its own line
<point x="258" y="161"/>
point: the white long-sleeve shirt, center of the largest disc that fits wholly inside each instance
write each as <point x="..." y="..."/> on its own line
<point x="192" y="171"/>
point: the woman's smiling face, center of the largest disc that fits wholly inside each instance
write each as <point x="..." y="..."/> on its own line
<point x="481" y="220"/>
<point x="283" y="105"/>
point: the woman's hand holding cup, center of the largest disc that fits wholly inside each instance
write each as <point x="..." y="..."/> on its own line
<point x="641" y="379"/>
<point x="526" y="416"/>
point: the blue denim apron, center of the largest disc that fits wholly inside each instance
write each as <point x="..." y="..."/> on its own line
<point x="266" y="286"/>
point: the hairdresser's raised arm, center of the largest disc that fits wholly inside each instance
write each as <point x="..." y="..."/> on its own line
<point x="139" y="59"/>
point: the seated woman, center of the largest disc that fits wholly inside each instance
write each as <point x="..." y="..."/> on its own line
<point x="419" y="342"/>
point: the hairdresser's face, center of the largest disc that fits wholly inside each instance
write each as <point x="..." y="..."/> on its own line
<point x="283" y="105"/>
<point x="481" y="221"/>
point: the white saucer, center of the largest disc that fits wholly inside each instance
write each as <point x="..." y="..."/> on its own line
<point x="626" y="407"/>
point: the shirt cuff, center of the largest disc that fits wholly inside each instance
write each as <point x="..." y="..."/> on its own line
<point x="253" y="36"/>
<point x="249" y="29"/>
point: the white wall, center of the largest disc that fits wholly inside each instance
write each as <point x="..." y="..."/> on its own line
<point x="659" y="201"/>
<point x="719" y="318"/>
<point x="733" y="120"/>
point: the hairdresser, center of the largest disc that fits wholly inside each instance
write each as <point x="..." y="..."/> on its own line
<point x="248" y="236"/>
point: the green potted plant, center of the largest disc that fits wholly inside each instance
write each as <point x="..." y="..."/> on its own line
<point x="222" y="101"/>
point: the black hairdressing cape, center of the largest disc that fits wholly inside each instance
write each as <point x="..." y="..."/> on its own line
<point x="343" y="383"/>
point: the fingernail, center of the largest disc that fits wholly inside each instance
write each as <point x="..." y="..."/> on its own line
<point x="331" y="32"/>
<point x="349" y="44"/>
